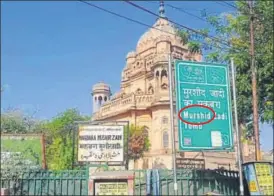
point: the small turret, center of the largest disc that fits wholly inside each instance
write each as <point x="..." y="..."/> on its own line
<point x="100" y="95"/>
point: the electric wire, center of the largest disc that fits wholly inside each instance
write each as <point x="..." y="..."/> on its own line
<point x="190" y="14"/>
<point x="186" y="12"/>
<point x="124" y="17"/>
<point x="223" y="42"/>
<point x="231" y="5"/>
<point x="223" y="3"/>
<point x="132" y="20"/>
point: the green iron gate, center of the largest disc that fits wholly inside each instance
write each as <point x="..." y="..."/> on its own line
<point x="75" y="182"/>
<point x="191" y="182"/>
<point x="72" y="182"/>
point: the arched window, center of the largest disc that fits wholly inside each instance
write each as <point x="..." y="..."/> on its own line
<point x="105" y="99"/>
<point x="164" y="120"/>
<point x="100" y="99"/>
<point x="164" y="79"/>
<point x="163" y="73"/>
<point x="157" y="74"/>
<point x="165" y="139"/>
<point x="95" y="98"/>
<point x="150" y="90"/>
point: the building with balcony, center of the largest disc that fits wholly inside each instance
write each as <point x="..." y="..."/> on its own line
<point x="143" y="99"/>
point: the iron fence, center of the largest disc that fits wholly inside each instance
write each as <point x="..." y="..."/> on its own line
<point x="72" y="182"/>
<point x="75" y="182"/>
<point x="190" y="182"/>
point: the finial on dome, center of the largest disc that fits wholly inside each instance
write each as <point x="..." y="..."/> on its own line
<point x="162" y="9"/>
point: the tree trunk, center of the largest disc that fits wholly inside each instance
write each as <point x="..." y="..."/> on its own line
<point x="241" y="127"/>
<point x="135" y="163"/>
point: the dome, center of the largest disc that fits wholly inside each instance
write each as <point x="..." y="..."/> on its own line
<point x="131" y="54"/>
<point x="165" y="28"/>
<point x="101" y="86"/>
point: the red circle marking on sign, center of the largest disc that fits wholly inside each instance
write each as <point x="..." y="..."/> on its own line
<point x="196" y="105"/>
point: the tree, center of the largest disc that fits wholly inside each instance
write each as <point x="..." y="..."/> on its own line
<point x="232" y="40"/>
<point x="17" y="160"/>
<point x="13" y="166"/>
<point x="58" y="133"/>
<point x="16" y="121"/>
<point x="138" y="142"/>
<point x="59" y="139"/>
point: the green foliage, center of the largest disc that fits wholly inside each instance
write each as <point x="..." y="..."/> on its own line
<point x="233" y="30"/>
<point x="18" y="156"/>
<point x="138" y="142"/>
<point x="14" y="164"/>
<point x="194" y="47"/>
<point x="16" y="121"/>
<point x="185" y="36"/>
<point x="30" y="147"/>
<point x="59" y="139"/>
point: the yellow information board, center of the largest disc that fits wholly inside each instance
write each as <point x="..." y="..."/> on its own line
<point x="111" y="188"/>
<point x="264" y="178"/>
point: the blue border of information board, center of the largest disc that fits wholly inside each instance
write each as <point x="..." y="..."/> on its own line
<point x="177" y="63"/>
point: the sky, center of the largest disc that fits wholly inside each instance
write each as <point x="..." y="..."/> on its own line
<point x="52" y="52"/>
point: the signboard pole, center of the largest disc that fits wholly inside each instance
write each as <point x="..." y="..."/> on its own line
<point x="44" y="164"/>
<point x="73" y="149"/>
<point x="239" y="157"/>
<point x="172" y="124"/>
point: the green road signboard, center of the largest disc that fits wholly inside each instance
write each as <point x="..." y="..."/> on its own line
<point x="203" y="105"/>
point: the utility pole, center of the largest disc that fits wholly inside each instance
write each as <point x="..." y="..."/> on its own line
<point x="172" y="125"/>
<point x="254" y="85"/>
<point x="239" y="145"/>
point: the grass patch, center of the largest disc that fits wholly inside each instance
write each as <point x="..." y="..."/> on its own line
<point x="30" y="147"/>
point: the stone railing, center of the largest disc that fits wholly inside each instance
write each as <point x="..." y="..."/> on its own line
<point x="123" y="104"/>
<point x="115" y="105"/>
<point x="143" y="100"/>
